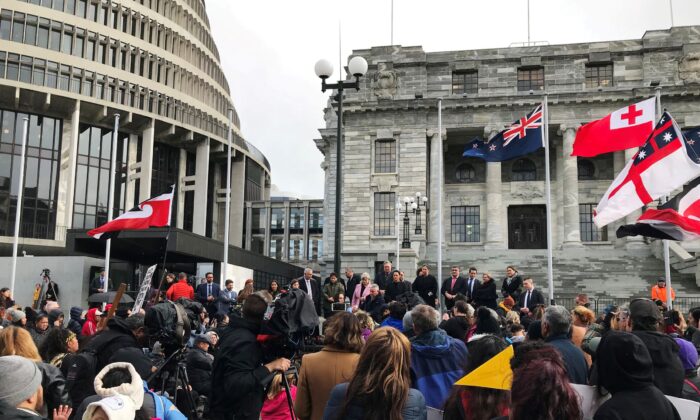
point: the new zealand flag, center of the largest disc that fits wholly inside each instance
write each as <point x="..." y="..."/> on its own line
<point x="521" y="138"/>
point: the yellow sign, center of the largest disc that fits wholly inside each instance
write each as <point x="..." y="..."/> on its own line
<point x="495" y="373"/>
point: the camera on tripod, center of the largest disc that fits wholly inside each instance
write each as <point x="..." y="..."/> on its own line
<point x="45" y="273"/>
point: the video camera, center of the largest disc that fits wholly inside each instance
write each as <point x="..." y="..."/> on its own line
<point x="171" y="323"/>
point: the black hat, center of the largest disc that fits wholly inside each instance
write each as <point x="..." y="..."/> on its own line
<point x="661" y="280"/>
<point x="644" y="308"/>
<point x="202" y="338"/>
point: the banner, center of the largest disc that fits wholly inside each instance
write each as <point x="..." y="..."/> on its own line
<point x="145" y="288"/>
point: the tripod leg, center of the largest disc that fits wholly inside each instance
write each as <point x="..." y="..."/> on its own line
<point x="182" y="375"/>
<point x="290" y="403"/>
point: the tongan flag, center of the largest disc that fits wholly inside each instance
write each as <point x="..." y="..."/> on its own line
<point x="678" y="219"/>
<point x="623" y="129"/>
<point x="521" y="138"/>
<point x="154" y="212"/>
<point x="664" y="163"/>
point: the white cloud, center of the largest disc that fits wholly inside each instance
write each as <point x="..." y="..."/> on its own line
<point x="268" y="50"/>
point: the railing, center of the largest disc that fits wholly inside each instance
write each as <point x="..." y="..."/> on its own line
<point x="681" y="303"/>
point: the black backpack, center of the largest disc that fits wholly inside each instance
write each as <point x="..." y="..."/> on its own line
<point x="80" y="375"/>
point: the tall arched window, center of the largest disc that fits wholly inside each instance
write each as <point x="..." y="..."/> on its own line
<point x="465" y="173"/>
<point x="586" y="169"/>
<point x="523" y="170"/>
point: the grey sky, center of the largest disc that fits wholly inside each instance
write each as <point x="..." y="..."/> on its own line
<point x="268" y="50"/>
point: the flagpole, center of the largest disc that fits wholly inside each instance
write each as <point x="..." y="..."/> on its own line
<point x="227" y="217"/>
<point x="167" y="237"/>
<point x="548" y="195"/>
<point x="110" y="201"/>
<point x="667" y="254"/>
<point x="438" y="205"/>
<point x="18" y="210"/>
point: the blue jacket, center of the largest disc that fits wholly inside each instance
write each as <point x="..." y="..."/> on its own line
<point x="437" y="362"/>
<point x="393" y="322"/>
<point x="165" y="409"/>
<point x="575" y="363"/>
<point x="414" y="409"/>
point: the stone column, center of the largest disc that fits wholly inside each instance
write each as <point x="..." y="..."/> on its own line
<point x="180" y="188"/>
<point x="148" y="140"/>
<point x="66" y="178"/>
<point x="494" y="203"/>
<point x="285" y="236"/>
<point x="132" y="177"/>
<point x="237" y="201"/>
<point x="572" y="227"/>
<point x="201" y="176"/>
<point x="633" y="242"/>
<point x="248" y="225"/>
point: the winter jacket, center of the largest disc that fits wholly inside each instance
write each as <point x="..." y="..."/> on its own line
<point x="659" y="293"/>
<point x="199" y="364"/>
<point x="456" y="327"/>
<point x="485" y="295"/>
<point x="39" y="336"/>
<point x="437" y="362"/>
<point x="331" y="290"/>
<point x="180" y="289"/>
<point x="668" y="370"/>
<point x="75" y="324"/>
<point x="625" y="368"/>
<point x="109" y="341"/>
<point x="12" y="413"/>
<point x="374" y="307"/>
<point x="575" y="363"/>
<point x="54" y="384"/>
<point x="393" y="322"/>
<point x="238" y="378"/>
<point x="90" y="326"/>
<point x="414" y="409"/>
<point x="426" y="287"/>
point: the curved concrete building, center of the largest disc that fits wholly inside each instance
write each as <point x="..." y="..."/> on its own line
<point x="71" y="66"/>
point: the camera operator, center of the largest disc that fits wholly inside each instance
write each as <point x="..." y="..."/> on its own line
<point x="239" y="377"/>
<point x="51" y="294"/>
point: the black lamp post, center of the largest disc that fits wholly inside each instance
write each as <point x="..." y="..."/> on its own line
<point x="406" y="230"/>
<point x="324" y="69"/>
<point x="420" y="201"/>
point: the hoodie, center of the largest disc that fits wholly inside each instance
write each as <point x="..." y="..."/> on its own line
<point x="75" y="323"/>
<point x="625" y="368"/>
<point x="90" y="326"/>
<point x="668" y="370"/>
<point x="437" y="362"/>
<point x="53" y="316"/>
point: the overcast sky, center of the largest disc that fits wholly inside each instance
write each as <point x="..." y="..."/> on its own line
<point x="268" y="50"/>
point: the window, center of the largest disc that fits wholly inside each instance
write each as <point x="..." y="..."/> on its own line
<point x="30" y="30"/>
<point x="385" y="156"/>
<point x="253" y="190"/>
<point x="258" y="222"/>
<point x="18" y="27"/>
<point x="296" y="220"/>
<point x="41" y="174"/>
<point x="530" y="78"/>
<point x="276" y="248"/>
<point x="277" y="220"/>
<point x="5" y="24"/>
<point x="465" y="173"/>
<point x="465" y="224"/>
<point x="523" y="170"/>
<point x="93" y="173"/>
<point x="599" y="75"/>
<point x="55" y="37"/>
<point x="589" y="231"/>
<point x="384" y="214"/>
<point x="315" y="248"/>
<point x="465" y="81"/>
<point x="296" y="249"/>
<point x="315" y="219"/>
<point x="586" y="169"/>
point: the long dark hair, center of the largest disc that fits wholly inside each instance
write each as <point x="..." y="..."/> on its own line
<point x="382" y="377"/>
<point x="541" y="389"/>
<point x="56" y="342"/>
<point x="484" y="403"/>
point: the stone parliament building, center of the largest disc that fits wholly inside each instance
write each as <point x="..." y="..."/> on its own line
<point x="494" y="213"/>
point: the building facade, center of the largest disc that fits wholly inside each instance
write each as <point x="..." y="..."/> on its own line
<point x="70" y="66"/>
<point x="286" y="229"/>
<point x="494" y="213"/>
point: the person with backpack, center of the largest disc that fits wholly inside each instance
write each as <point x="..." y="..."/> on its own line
<point x="239" y="376"/>
<point x="122" y="379"/>
<point x="122" y="334"/>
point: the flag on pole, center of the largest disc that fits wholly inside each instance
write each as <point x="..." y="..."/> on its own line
<point x="623" y="129"/>
<point x="664" y="163"/>
<point x="678" y="219"/>
<point x="154" y="212"/>
<point x="522" y="137"/>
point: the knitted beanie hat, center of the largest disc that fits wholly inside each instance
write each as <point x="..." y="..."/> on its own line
<point x="21" y="378"/>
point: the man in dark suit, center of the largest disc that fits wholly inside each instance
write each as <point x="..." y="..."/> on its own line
<point x="511" y="283"/>
<point x="384" y="278"/>
<point x="452" y="286"/>
<point x="309" y="285"/>
<point x="529" y="299"/>
<point x="374" y="304"/>
<point x="208" y="294"/>
<point x="351" y="281"/>
<point x="472" y="284"/>
<point x="100" y="284"/>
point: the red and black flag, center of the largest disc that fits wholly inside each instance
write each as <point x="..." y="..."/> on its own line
<point x="678" y="219"/>
<point x="154" y="212"/>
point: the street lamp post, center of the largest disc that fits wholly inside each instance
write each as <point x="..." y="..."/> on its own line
<point x="420" y="201"/>
<point x="324" y="69"/>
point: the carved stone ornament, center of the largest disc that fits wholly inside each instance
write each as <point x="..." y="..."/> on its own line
<point x="526" y="191"/>
<point x="689" y="68"/>
<point x="385" y="83"/>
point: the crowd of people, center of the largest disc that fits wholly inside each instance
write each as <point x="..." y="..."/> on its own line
<point x="387" y="352"/>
